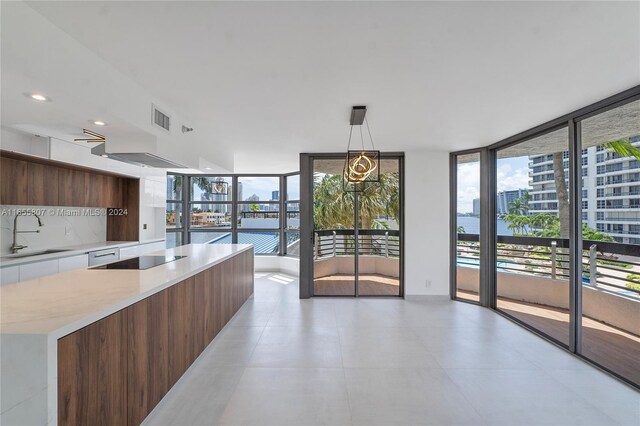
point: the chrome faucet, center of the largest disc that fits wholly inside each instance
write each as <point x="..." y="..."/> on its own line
<point x="16" y="247"/>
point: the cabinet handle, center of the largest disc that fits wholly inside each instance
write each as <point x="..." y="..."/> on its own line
<point x="111" y="253"/>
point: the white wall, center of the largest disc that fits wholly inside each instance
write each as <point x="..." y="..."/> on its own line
<point x="426" y="216"/>
<point x="284" y="264"/>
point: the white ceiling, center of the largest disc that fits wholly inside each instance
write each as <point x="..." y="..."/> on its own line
<point x="267" y="81"/>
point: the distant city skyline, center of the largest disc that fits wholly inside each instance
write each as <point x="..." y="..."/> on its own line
<point x="512" y="174"/>
<point x="262" y="187"/>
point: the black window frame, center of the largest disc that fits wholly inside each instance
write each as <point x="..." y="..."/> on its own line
<point x="234" y="229"/>
<point x="488" y="194"/>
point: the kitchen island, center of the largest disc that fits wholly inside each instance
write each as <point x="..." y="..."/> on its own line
<point x="104" y="346"/>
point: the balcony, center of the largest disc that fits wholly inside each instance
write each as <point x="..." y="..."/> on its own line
<point x="378" y="262"/>
<point x="619" y="207"/>
<point x="621" y="194"/>
<point x="620" y="219"/>
<point x="533" y="286"/>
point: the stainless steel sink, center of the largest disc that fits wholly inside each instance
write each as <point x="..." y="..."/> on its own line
<point x="33" y="253"/>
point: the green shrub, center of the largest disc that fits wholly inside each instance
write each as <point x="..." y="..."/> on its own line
<point x="636" y="285"/>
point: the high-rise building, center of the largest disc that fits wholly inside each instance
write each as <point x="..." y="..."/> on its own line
<point x="610" y="190"/>
<point x="476" y="206"/>
<point x="505" y="198"/>
<point x="275" y="195"/>
<point x="240" y="191"/>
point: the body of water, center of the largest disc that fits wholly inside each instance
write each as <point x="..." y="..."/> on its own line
<point x="471" y="225"/>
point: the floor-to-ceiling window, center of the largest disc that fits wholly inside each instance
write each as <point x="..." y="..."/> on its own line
<point x="610" y="211"/>
<point x="564" y="251"/>
<point x="356" y="234"/>
<point x="532" y="233"/>
<point x="292" y="224"/>
<point x="210" y="209"/>
<point x="174" y="223"/>
<point x="258" y="215"/>
<point x="234" y="209"/>
<point x="467" y="272"/>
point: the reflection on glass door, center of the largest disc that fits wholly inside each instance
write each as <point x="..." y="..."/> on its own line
<point x="611" y="236"/>
<point x="356" y="247"/>
<point x="532" y="223"/>
<point x="379" y="233"/>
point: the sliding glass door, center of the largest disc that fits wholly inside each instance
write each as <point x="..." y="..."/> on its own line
<point x="356" y="235"/>
<point x="561" y="254"/>
<point x="467" y="209"/>
<point x="532" y="233"/>
<point x="610" y="320"/>
<point x="378" y="259"/>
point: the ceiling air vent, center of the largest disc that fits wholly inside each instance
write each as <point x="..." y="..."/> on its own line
<point x="161" y="119"/>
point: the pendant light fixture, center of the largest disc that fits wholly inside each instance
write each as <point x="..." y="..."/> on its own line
<point x="93" y="137"/>
<point x="220" y="187"/>
<point x="361" y="166"/>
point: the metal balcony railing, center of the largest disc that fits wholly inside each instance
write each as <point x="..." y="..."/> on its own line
<point x="341" y="242"/>
<point x="620" y="219"/>
<point x="619" y="206"/>
<point x="549" y="257"/>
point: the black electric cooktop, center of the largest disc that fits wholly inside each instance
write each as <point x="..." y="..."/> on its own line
<point x="142" y="262"/>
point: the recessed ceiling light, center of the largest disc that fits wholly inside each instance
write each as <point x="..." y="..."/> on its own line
<point x="99" y="123"/>
<point x="39" y="97"/>
<point x="207" y="168"/>
<point x="105" y="156"/>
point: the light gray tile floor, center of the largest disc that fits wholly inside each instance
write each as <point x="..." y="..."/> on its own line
<point x="285" y="361"/>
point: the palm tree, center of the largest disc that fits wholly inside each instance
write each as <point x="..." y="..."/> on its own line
<point x="333" y="206"/>
<point x="520" y="206"/>
<point x="622" y="147"/>
<point x="203" y="183"/>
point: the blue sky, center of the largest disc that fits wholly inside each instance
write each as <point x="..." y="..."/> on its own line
<point x="261" y="186"/>
<point x="512" y="173"/>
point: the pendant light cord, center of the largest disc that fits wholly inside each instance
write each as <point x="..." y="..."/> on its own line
<point x="350" y="132"/>
<point x="369" y="130"/>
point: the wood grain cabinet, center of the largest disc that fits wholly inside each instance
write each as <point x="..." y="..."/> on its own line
<point x="40" y="182"/>
<point x="148" y="355"/>
<point x="43" y="185"/>
<point x="116" y="370"/>
<point x="92" y="373"/>
<point x="71" y="190"/>
<point x="14" y="187"/>
<point x="35" y="181"/>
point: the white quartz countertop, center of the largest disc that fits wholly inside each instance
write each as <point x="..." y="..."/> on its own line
<point x="60" y="304"/>
<point x="74" y="250"/>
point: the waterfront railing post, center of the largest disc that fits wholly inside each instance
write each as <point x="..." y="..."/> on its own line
<point x="554" y="245"/>
<point x="593" y="265"/>
<point x="386" y="244"/>
<point x="334" y="243"/>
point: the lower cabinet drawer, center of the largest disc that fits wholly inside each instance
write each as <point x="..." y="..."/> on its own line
<point x="104" y="256"/>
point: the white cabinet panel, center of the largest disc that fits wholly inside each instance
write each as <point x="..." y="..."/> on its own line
<point x="73" y="262"/>
<point x="147" y="248"/>
<point x="38" y="269"/>
<point x="129" y="251"/>
<point x="160" y="193"/>
<point x="146" y="193"/>
<point x="142" y="249"/>
<point x="10" y="274"/>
